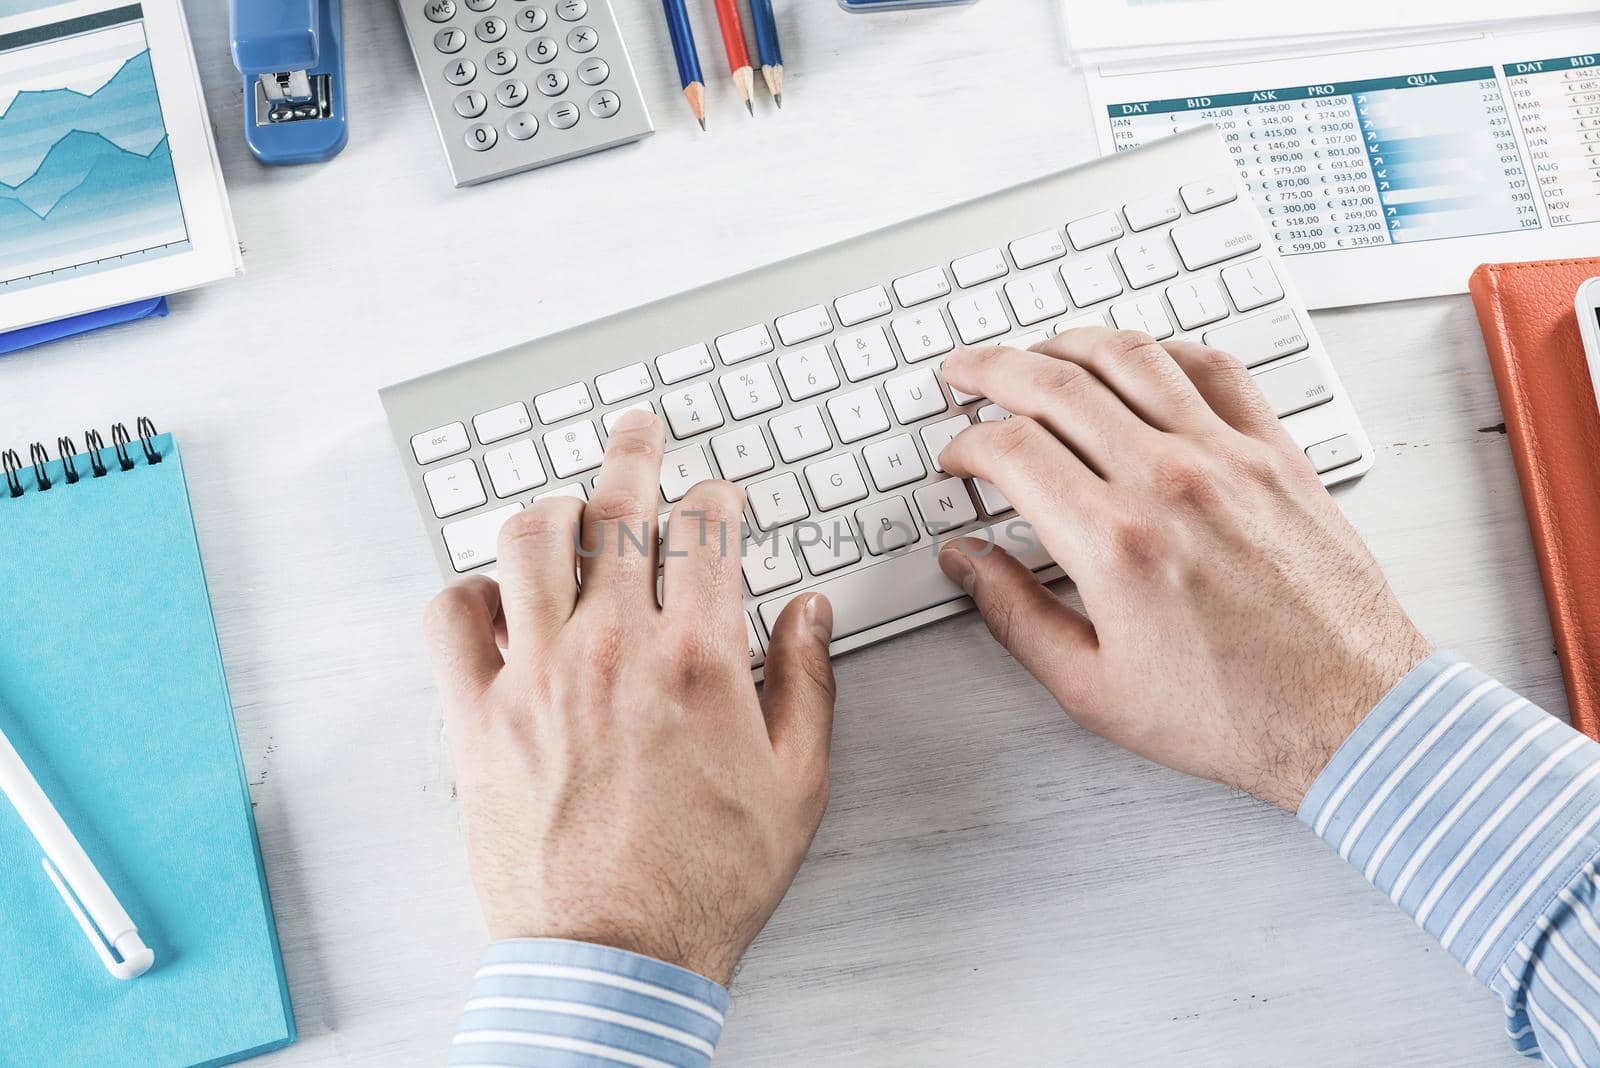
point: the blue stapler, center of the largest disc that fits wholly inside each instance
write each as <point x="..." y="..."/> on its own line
<point x="291" y="54"/>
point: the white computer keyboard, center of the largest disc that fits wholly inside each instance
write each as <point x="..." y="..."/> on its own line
<point x="815" y="382"/>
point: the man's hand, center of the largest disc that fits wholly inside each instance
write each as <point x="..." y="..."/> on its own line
<point x="1237" y="628"/>
<point x="621" y="782"/>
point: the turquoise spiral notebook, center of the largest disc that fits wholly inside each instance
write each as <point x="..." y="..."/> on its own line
<point x="112" y="691"/>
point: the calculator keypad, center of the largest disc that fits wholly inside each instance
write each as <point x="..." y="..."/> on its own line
<point x="576" y="66"/>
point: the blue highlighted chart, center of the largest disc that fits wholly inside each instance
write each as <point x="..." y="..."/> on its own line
<point x="86" y="175"/>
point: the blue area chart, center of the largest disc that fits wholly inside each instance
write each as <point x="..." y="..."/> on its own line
<point x="86" y="177"/>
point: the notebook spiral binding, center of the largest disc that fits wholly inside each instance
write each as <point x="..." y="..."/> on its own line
<point x="122" y="444"/>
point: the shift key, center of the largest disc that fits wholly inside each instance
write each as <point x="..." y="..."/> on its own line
<point x="1295" y="387"/>
<point x="1261" y="337"/>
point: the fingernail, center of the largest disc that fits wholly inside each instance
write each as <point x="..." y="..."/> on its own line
<point x="633" y="419"/>
<point x="819" y="617"/>
<point x="957" y="567"/>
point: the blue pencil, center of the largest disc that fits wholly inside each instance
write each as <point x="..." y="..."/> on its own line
<point x="694" y="83"/>
<point x="767" y="49"/>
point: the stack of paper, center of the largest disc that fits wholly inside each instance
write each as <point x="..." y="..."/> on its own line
<point x="110" y="190"/>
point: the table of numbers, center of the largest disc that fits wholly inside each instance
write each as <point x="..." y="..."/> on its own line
<point x="1380" y="161"/>
<point x="1557" y="102"/>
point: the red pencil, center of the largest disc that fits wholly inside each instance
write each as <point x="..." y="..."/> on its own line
<point x="738" y="56"/>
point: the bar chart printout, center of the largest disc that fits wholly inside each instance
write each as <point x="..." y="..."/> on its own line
<point x="1348" y="165"/>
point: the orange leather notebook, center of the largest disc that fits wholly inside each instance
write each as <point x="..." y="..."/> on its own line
<point x="1531" y="330"/>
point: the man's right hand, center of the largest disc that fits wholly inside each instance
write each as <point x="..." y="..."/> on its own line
<point x="1237" y="627"/>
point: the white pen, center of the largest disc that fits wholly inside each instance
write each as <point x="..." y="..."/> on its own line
<point x="110" y="931"/>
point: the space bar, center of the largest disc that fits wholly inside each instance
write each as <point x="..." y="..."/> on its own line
<point x="902" y="585"/>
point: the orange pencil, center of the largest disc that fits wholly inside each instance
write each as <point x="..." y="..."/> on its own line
<point x="738" y="56"/>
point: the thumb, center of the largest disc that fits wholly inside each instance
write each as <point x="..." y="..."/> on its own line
<point x="797" y="696"/>
<point x="1049" y="638"/>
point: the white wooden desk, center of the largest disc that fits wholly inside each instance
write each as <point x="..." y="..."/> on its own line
<point x="992" y="885"/>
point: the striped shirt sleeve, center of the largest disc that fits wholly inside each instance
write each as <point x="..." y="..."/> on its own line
<point x="1477" y="813"/>
<point x="551" y="1003"/>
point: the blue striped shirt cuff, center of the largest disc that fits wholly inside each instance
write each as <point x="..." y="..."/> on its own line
<point x="551" y="1003"/>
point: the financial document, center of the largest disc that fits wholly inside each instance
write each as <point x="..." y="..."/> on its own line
<point x="1391" y="173"/>
<point x="110" y="190"/>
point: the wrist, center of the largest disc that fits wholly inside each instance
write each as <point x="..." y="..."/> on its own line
<point x="668" y="948"/>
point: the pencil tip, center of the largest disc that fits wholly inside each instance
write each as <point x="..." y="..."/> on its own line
<point x="777" y="98"/>
<point x="751" y="108"/>
<point x="702" y="124"/>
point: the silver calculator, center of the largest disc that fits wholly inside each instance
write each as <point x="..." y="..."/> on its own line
<point x="517" y="84"/>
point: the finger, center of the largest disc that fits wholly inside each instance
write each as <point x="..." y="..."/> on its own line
<point x="459" y="625"/>
<point x="538" y="556"/>
<point x="1229" y="390"/>
<point x="704" y="582"/>
<point x="618" y="553"/>
<point x="798" y="693"/>
<point x="1039" y="475"/>
<point x="1068" y="399"/>
<point x="1140" y="371"/>
<point x="1055" y="643"/>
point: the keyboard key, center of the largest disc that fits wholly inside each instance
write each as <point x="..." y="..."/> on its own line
<point x="904" y="584"/>
<point x="829" y="545"/>
<point x="1261" y="337"/>
<point x="853" y="308"/>
<point x="1252" y="284"/>
<point x="992" y="413"/>
<point x="691" y="410"/>
<point x="571" y="489"/>
<point x="915" y="396"/>
<point x="744" y="344"/>
<point x="894" y="463"/>
<point x="922" y="335"/>
<point x="439" y="442"/>
<point x="858" y="415"/>
<point x="923" y="286"/>
<point x="1035" y="299"/>
<point x="864" y="354"/>
<point x="751" y="391"/>
<point x="777" y="501"/>
<point x="609" y="420"/>
<point x="454" y="488"/>
<point x="741" y="453"/>
<point x="979" y="316"/>
<point x="1151" y="212"/>
<point x="682" y="470"/>
<point x="758" y="655"/>
<point x="502" y="423"/>
<point x="955" y="394"/>
<point x="979" y="267"/>
<point x="807" y="372"/>
<point x="563" y="403"/>
<point x="1144" y="313"/>
<point x="945" y="505"/>
<point x="800" y="433"/>
<point x="1203" y="196"/>
<point x="1295" y="387"/>
<point x="1091" y="279"/>
<point x="1146" y="261"/>
<point x="1078" y="322"/>
<point x="1197" y="302"/>
<point x="769" y="564"/>
<point x="472" y="542"/>
<point x="836" y="481"/>
<point x="803" y="325"/>
<point x="514" y="468"/>
<point x="573" y="449"/>
<point x="624" y="382"/>
<point x="887" y="525"/>
<point x="1336" y="452"/>
<point x="1042" y="247"/>
<point x="1093" y="230"/>
<point x="936" y="436"/>
<point x="994" y="502"/>
<point x="679" y="364"/>
<point x="1216" y="237"/>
